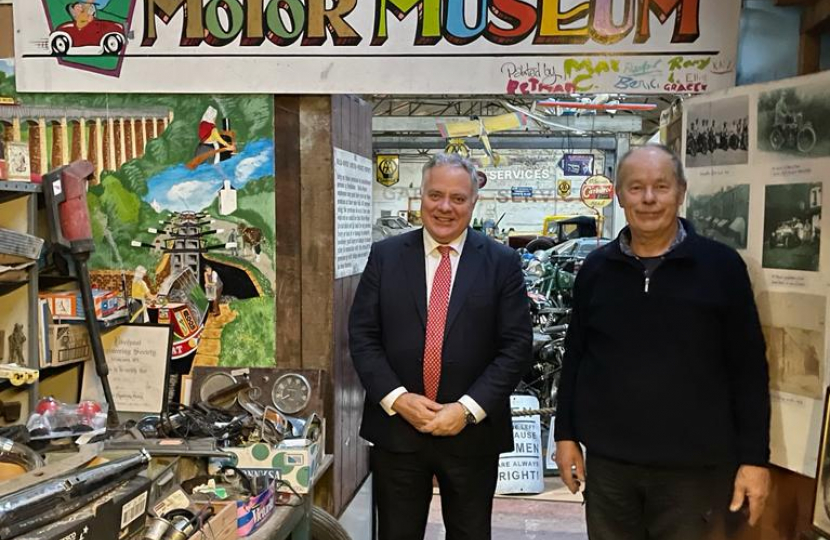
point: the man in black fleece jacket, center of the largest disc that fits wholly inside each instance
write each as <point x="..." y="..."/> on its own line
<point x="665" y="377"/>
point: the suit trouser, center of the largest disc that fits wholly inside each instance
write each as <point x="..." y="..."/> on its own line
<point x="635" y="502"/>
<point x="403" y="492"/>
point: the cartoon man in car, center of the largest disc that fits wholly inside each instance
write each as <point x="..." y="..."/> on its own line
<point x="86" y="33"/>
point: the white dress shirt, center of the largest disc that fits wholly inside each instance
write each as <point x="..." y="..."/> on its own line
<point x="432" y="258"/>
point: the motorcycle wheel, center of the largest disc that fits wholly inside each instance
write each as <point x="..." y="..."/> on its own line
<point x="325" y="527"/>
<point x="734" y="142"/>
<point x="806" y="139"/>
<point x="776" y="138"/>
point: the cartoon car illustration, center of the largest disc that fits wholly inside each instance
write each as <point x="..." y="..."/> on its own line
<point x="106" y="37"/>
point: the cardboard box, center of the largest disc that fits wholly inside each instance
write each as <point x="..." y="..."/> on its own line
<point x="295" y="461"/>
<point x="68" y="343"/>
<point x="119" y="514"/>
<point x="222" y="526"/>
<point x="68" y="304"/>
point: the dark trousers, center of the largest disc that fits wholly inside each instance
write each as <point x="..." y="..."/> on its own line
<point x="403" y="492"/>
<point x="634" y="502"/>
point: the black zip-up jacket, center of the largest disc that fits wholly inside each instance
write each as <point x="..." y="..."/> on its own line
<point x="669" y="372"/>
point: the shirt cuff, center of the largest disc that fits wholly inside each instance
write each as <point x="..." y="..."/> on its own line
<point x="390" y="398"/>
<point x="473" y="407"/>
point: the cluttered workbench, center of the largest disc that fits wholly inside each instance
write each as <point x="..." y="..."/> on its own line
<point x="216" y="453"/>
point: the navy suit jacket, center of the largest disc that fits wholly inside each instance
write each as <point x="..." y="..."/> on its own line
<point x="487" y="341"/>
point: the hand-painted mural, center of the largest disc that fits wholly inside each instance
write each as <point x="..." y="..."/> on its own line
<point x="182" y="208"/>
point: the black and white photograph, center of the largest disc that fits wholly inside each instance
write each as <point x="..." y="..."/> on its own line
<point x="792" y="121"/>
<point x="821" y="510"/>
<point x="717" y="133"/>
<point x="720" y="212"/>
<point x="792" y="226"/>
<point x="794" y="327"/>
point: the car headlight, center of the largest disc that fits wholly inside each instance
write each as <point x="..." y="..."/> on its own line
<point x="534" y="269"/>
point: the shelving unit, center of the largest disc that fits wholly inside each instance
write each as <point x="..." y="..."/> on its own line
<point x="19" y="298"/>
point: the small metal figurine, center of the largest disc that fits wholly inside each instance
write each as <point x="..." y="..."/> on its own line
<point x="16" y="341"/>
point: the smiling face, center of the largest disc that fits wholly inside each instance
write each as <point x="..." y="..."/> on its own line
<point x="447" y="202"/>
<point x="83" y="13"/>
<point x="649" y="193"/>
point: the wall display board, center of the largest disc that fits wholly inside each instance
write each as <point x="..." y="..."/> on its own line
<point x="758" y="163"/>
<point x="377" y="46"/>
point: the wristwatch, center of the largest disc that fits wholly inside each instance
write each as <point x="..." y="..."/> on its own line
<point x="469" y="417"/>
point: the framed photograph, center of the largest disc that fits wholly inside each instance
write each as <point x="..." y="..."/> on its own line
<point x="821" y="510"/>
<point x="18" y="166"/>
<point x="138" y="356"/>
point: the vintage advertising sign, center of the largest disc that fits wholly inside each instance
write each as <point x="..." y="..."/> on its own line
<point x="521" y="471"/>
<point x="387" y="172"/>
<point x="376" y="46"/>
<point x="577" y="164"/>
<point x="597" y="192"/>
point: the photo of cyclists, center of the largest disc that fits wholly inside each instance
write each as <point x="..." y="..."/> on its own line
<point x="717" y="133"/>
<point x="789" y="121"/>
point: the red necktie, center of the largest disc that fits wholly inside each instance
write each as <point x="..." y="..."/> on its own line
<point x="439" y="300"/>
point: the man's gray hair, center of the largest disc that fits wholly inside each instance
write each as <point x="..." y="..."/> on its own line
<point x="677" y="165"/>
<point x="452" y="160"/>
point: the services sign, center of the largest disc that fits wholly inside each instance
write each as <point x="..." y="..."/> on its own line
<point x="376" y="46"/>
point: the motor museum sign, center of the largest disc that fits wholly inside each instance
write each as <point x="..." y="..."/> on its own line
<point x="376" y="46"/>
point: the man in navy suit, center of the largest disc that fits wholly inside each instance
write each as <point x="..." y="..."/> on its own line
<point x="440" y="335"/>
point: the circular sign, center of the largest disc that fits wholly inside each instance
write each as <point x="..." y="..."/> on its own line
<point x="563" y="187"/>
<point x="597" y="192"/>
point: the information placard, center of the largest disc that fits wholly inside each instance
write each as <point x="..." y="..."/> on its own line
<point x="352" y="212"/>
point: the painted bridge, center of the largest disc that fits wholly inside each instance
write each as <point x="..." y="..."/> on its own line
<point x="106" y="137"/>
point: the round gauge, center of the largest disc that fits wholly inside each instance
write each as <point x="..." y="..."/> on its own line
<point x="216" y="382"/>
<point x="291" y="393"/>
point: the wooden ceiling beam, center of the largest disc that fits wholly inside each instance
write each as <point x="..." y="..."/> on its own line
<point x="816" y="17"/>
<point x="789" y="3"/>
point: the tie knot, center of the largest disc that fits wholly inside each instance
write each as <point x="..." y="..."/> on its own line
<point x="445" y="250"/>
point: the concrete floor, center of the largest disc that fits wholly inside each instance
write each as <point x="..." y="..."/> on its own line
<point x="514" y="518"/>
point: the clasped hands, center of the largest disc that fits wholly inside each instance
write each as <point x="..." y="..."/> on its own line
<point x="427" y="416"/>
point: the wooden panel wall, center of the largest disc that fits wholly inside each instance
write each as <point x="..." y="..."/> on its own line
<point x="6" y="32"/>
<point x="351" y="131"/>
<point x="289" y="266"/>
<point x="312" y="308"/>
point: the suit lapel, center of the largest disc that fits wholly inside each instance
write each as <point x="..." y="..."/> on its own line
<point x="415" y="268"/>
<point x="469" y="266"/>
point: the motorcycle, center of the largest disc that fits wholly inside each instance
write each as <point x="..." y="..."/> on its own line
<point x="542" y="381"/>
<point x="796" y="133"/>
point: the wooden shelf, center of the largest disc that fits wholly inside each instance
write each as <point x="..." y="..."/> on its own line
<point x="9" y="286"/>
<point x="12" y="190"/>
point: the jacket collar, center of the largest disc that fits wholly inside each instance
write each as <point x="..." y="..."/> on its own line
<point x="681" y="247"/>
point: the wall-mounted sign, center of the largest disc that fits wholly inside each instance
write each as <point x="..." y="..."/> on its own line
<point x="522" y="192"/>
<point x="387" y="170"/>
<point x="376" y="46"/>
<point x="597" y="192"/>
<point x="563" y="188"/>
<point x="577" y="164"/>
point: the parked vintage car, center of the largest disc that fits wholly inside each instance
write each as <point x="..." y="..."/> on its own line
<point x="105" y="37"/>
<point x="785" y="235"/>
<point x="555" y="230"/>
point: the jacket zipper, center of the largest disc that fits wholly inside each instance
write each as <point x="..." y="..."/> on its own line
<point x="648" y="280"/>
